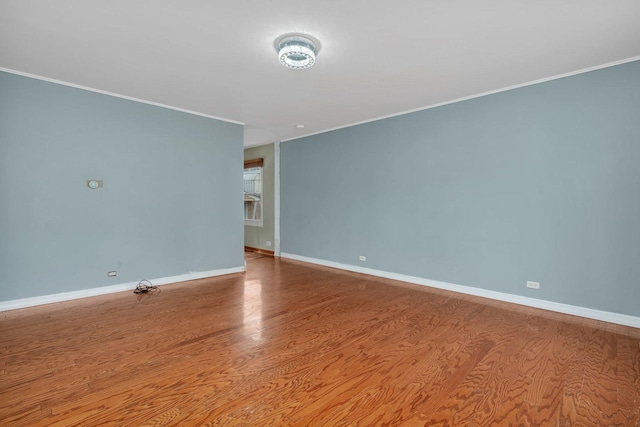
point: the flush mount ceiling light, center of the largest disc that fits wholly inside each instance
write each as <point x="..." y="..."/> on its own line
<point x="297" y="51"/>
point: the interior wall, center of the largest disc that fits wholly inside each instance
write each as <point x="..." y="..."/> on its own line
<point x="539" y="183"/>
<point x="257" y="237"/>
<point x="170" y="204"/>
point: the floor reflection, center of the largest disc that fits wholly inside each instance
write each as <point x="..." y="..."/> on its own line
<point x="252" y="305"/>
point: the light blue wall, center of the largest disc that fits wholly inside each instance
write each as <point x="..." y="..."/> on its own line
<point x="540" y="183"/>
<point x="170" y="204"/>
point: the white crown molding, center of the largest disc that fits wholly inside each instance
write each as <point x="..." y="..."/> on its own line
<point x="478" y="95"/>
<point x="620" y="319"/>
<point x="84" y="293"/>
<point x="259" y="144"/>
<point x="116" y="95"/>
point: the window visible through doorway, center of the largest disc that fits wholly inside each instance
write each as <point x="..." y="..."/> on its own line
<point x="253" y="192"/>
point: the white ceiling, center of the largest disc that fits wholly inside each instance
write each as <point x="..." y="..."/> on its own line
<point x="378" y="58"/>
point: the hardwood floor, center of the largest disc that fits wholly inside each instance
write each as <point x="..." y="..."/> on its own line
<point x="289" y="343"/>
<point x="252" y="255"/>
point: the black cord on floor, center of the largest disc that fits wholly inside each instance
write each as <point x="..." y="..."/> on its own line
<point x="145" y="287"/>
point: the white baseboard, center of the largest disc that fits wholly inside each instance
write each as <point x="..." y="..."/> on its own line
<point x="66" y="296"/>
<point x="589" y="313"/>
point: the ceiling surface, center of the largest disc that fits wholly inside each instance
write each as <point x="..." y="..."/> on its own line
<point x="377" y="58"/>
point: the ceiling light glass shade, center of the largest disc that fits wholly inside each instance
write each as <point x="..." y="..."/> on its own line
<point x="296" y="51"/>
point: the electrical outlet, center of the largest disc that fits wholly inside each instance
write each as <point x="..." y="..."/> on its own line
<point x="363" y="258"/>
<point x="112" y="274"/>
<point x="533" y="285"/>
<point x="268" y="243"/>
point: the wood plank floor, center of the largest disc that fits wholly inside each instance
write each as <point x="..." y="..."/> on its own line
<point x="289" y="343"/>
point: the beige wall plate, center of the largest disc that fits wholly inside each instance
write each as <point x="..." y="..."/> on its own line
<point x="94" y="183"/>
